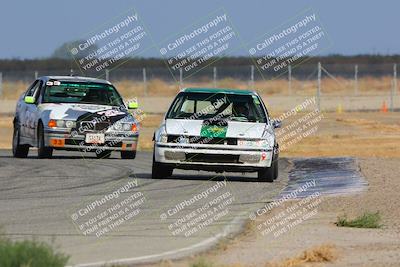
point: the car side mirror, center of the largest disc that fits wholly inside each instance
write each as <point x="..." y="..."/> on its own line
<point x="276" y="124"/>
<point x="29" y="99"/>
<point x="133" y="105"/>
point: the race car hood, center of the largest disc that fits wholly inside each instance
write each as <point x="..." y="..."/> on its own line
<point x="233" y="129"/>
<point x="78" y="112"/>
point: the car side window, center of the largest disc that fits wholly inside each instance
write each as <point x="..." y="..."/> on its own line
<point x="32" y="90"/>
<point x="40" y="92"/>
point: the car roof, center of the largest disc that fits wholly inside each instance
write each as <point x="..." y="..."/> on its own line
<point x="74" y="79"/>
<point x="219" y="90"/>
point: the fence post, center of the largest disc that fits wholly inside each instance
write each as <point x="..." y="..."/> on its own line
<point x="319" y="87"/>
<point x="394" y="87"/>
<point x="290" y="79"/>
<point x="144" y="82"/>
<point x="181" y="78"/>
<point x="107" y="74"/>
<point x="1" y="84"/>
<point x="356" y="79"/>
<point x="215" y="76"/>
<point x="252" y="76"/>
<point x="36" y="75"/>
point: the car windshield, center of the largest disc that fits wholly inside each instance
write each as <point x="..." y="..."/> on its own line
<point x="201" y="106"/>
<point x="81" y="92"/>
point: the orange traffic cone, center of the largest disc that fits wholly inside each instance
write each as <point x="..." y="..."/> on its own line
<point x="384" y="107"/>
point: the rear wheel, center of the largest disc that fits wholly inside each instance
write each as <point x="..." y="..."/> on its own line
<point x="160" y="170"/>
<point x="104" y="154"/>
<point x="43" y="151"/>
<point x="128" y="154"/>
<point x="267" y="174"/>
<point x="19" y="151"/>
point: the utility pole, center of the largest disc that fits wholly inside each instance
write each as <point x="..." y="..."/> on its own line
<point x="181" y="78"/>
<point x="144" y="82"/>
<point x="356" y="79"/>
<point x="252" y="76"/>
<point x="107" y="74"/>
<point x="1" y="84"/>
<point x="215" y="76"/>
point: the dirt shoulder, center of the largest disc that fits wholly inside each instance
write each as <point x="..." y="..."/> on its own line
<point x="354" y="246"/>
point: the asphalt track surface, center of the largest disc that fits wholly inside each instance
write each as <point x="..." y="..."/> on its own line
<point x="49" y="199"/>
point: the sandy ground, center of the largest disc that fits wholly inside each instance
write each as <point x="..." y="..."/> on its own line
<point x="354" y="247"/>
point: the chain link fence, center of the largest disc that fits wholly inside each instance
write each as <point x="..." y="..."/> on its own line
<point x="355" y="81"/>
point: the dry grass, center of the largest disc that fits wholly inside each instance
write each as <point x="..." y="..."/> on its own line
<point x="351" y="134"/>
<point x="319" y="254"/>
<point x="371" y="125"/>
<point x="157" y="87"/>
<point x="12" y="90"/>
<point x="366" y="220"/>
<point x="316" y="255"/>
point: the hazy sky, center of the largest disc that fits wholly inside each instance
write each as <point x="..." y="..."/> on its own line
<point x="33" y="29"/>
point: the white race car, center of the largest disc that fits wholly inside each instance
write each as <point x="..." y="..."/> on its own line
<point x="216" y="130"/>
<point x="74" y="113"/>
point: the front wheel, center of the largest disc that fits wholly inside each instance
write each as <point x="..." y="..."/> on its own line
<point x="267" y="174"/>
<point x="128" y="154"/>
<point x="43" y="151"/>
<point x="19" y="151"/>
<point x="276" y="168"/>
<point x="160" y="170"/>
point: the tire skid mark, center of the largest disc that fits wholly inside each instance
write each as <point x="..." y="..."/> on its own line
<point x="333" y="176"/>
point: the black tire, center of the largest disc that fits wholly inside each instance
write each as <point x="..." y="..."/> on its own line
<point x="159" y="170"/>
<point x="19" y="151"/>
<point x="104" y="154"/>
<point x="44" y="152"/>
<point x="128" y="154"/>
<point x="267" y="174"/>
<point x="276" y="168"/>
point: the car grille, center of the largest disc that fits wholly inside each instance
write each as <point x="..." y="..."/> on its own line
<point x="203" y="140"/>
<point x="107" y="143"/>
<point x="94" y="126"/>
<point x="212" y="158"/>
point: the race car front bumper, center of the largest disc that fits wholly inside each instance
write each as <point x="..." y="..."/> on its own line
<point x="212" y="157"/>
<point x="114" y="141"/>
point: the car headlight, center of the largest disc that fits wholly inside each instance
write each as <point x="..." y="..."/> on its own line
<point x="64" y="123"/>
<point x="70" y="124"/>
<point x="117" y="126"/>
<point x="183" y="140"/>
<point x="262" y="143"/>
<point x="60" y="123"/>
<point x="126" y="126"/>
<point x="163" y="138"/>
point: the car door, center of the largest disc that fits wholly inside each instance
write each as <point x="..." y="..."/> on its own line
<point x="22" y="110"/>
<point x="32" y="112"/>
